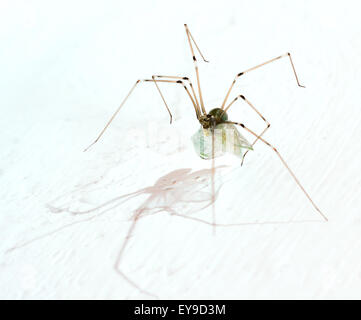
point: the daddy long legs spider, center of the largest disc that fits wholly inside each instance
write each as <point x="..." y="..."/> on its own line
<point x="215" y="125"/>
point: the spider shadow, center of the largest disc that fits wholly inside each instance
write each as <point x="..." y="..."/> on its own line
<point x="181" y="193"/>
<point x="177" y="191"/>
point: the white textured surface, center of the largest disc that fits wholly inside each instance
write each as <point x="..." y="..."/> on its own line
<point x="65" y="66"/>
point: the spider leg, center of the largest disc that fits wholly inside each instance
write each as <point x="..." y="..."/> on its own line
<point x="258" y="66"/>
<point x="189" y="83"/>
<point x="196" y="103"/>
<point x="284" y="163"/>
<point x="261" y="116"/>
<point x="190" y="40"/>
<point x="130" y="92"/>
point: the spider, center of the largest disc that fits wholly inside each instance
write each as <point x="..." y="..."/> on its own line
<point x="217" y="118"/>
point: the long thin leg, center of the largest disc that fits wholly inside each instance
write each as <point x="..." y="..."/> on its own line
<point x="190" y="39"/>
<point x="129" y="93"/>
<point x="190" y="85"/>
<point x="195" y="43"/>
<point x="165" y="103"/>
<point x="258" y="66"/>
<point x="261" y="116"/>
<point x="284" y="163"/>
<point x="254" y="142"/>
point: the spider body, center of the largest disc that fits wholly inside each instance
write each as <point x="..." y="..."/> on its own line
<point x="213" y="118"/>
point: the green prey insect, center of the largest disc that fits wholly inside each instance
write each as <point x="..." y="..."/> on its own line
<point x="217" y="134"/>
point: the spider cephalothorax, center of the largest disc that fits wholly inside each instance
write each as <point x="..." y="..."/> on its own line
<point x="213" y="118"/>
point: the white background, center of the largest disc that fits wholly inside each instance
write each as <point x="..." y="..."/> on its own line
<point x="64" y="68"/>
